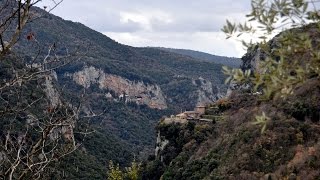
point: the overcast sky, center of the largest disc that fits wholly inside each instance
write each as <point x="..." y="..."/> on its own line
<point x="187" y="24"/>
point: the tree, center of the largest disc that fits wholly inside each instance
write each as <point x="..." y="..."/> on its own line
<point x="114" y="172"/>
<point x="16" y="12"/>
<point x="287" y="61"/>
<point x="282" y="65"/>
<point x="130" y="173"/>
<point x="36" y="121"/>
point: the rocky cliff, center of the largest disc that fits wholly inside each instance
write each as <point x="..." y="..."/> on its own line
<point x="207" y="92"/>
<point x="129" y="91"/>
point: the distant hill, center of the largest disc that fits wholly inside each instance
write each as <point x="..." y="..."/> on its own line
<point x="227" y="61"/>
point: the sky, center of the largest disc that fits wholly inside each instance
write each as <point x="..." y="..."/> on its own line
<point x="183" y="24"/>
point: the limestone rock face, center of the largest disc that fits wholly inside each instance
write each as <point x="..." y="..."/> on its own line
<point x="206" y="91"/>
<point x="131" y="91"/>
<point x="160" y="145"/>
<point x="51" y="92"/>
<point x="251" y="59"/>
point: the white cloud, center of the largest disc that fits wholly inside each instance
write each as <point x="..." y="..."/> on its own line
<point x="128" y="38"/>
<point x="126" y="17"/>
<point x="145" y="19"/>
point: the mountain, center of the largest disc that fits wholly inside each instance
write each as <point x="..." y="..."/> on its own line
<point x="147" y="65"/>
<point x="227" y="61"/>
<point x="249" y="135"/>
<point x="123" y="90"/>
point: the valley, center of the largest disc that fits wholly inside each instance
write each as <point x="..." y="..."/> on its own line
<point x="125" y="90"/>
<point x="77" y="104"/>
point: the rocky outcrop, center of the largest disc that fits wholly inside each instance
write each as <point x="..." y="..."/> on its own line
<point x="206" y="92"/>
<point x="160" y="145"/>
<point x="251" y="59"/>
<point x="52" y="94"/>
<point x="130" y="91"/>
